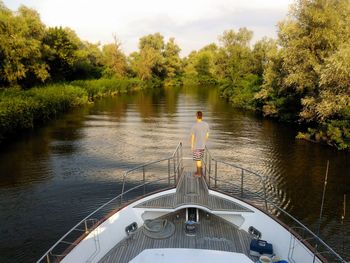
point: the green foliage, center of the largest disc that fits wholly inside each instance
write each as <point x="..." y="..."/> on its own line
<point x="200" y="66"/>
<point x="312" y="32"/>
<point x="23" y="109"/>
<point x="242" y="94"/>
<point x="172" y="61"/>
<point x="114" y="60"/>
<point x="310" y="71"/>
<point x="338" y="132"/>
<point x="21" y="34"/>
<point x="103" y="87"/>
<point x="155" y="59"/>
<point x="334" y="132"/>
<point x="234" y="57"/>
<point x="240" y="68"/>
<point x="60" y="54"/>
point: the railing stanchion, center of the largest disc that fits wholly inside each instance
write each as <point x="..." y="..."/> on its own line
<point x="122" y="193"/>
<point x="204" y="165"/>
<point x="265" y="197"/>
<point x="216" y="173"/>
<point x="144" y="180"/>
<point x="169" y="172"/>
<point x="242" y="174"/>
<point x="86" y="228"/>
<point x="175" y="172"/>
<point x="181" y="154"/>
<point x="47" y="258"/>
<point x="209" y="171"/>
<point x="178" y="162"/>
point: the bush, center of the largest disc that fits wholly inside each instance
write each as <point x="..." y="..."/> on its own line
<point x="22" y="109"/>
<point x="334" y="132"/>
<point x="103" y="87"/>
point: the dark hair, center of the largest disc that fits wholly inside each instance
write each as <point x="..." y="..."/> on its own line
<point x="199" y="115"/>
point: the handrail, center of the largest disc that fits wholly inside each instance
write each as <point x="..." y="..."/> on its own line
<point x="175" y="161"/>
<point x="176" y="156"/>
<point x="208" y="159"/>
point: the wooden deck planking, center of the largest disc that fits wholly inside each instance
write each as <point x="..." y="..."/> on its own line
<point x="193" y="191"/>
<point x="213" y="233"/>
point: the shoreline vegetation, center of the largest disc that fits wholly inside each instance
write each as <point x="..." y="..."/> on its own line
<point x="21" y="110"/>
<point x="303" y="76"/>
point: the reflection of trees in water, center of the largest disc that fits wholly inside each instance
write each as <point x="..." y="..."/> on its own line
<point x="171" y="99"/>
<point x="27" y="160"/>
<point x="115" y="107"/>
<point x="148" y="103"/>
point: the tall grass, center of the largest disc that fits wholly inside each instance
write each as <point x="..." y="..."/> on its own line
<point x="104" y="87"/>
<point x="24" y="109"/>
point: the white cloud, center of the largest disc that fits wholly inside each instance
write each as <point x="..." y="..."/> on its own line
<point x="193" y="23"/>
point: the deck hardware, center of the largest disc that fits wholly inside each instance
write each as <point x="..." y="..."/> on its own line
<point x="254" y="232"/>
<point x="131" y="228"/>
<point x="190" y="228"/>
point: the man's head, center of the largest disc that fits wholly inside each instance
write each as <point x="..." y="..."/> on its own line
<point x="199" y="115"/>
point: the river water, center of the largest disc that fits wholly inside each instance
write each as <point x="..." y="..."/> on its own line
<point x="54" y="176"/>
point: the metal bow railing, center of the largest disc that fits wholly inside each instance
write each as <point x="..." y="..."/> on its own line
<point x="250" y="187"/>
<point x="234" y="180"/>
<point x="137" y="182"/>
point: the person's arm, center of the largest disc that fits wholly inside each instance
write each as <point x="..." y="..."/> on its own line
<point x="192" y="138"/>
<point x="192" y="141"/>
<point x="207" y="136"/>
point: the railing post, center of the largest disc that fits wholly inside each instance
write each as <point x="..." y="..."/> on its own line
<point x="169" y="172"/>
<point x="144" y="180"/>
<point x="263" y="179"/>
<point x="175" y="171"/>
<point x="123" y="187"/>
<point x="204" y="165"/>
<point x="47" y="258"/>
<point x="178" y="162"/>
<point x="182" y="165"/>
<point x="86" y="228"/>
<point x="216" y="173"/>
<point x="242" y="174"/>
<point x="209" y="171"/>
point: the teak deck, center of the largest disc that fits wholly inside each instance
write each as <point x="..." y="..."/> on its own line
<point x="193" y="191"/>
<point x="212" y="232"/>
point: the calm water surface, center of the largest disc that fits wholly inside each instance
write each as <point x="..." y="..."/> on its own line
<point x="53" y="177"/>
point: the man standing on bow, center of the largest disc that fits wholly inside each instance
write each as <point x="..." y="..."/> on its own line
<point x="199" y="137"/>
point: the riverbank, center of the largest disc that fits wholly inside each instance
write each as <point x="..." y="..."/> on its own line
<point x="21" y="110"/>
<point x="330" y="131"/>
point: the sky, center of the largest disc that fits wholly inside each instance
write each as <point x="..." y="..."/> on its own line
<point x="193" y="23"/>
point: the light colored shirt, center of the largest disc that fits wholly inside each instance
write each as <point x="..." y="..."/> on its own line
<point x="200" y="131"/>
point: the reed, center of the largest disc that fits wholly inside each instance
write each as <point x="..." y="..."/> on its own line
<point x="23" y="109"/>
<point x="103" y="87"/>
<point x="20" y="110"/>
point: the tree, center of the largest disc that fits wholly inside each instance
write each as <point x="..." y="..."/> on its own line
<point x="260" y="54"/>
<point x="234" y="56"/>
<point x="60" y="55"/>
<point x="114" y="59"/>
<point x="172" y="61"/>
<point x="148" y="63"/>
<point x="312" y="32"/>
<point x="88" y="63"/>
<point x="21" y="35"/>
<point x="234" y="67"/>
<point x="333" y="101"/>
